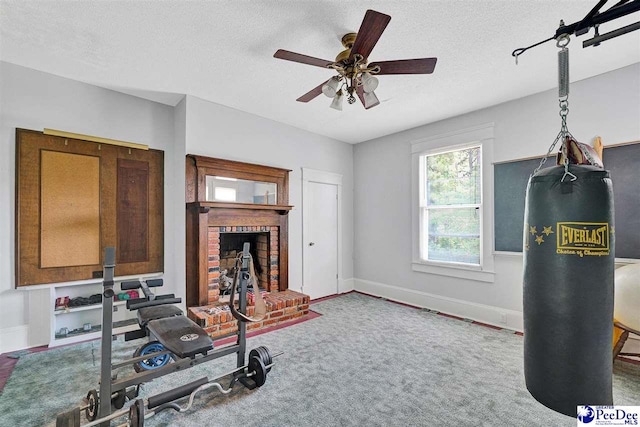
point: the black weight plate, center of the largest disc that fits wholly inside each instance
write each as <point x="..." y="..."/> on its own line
<point x="254" y="353"/>
<point x="118" y="400"/>
<point x="92" y="410"/>
<point x="258" y="352"/>
<point x="267" y="360"/>
<point x="265" y="356"/>
<point x="259" y="371"/>
<point x="136" y="414"/>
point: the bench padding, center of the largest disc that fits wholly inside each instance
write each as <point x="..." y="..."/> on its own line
<point x="181" y="336"/>
<point x="147" y="314"/>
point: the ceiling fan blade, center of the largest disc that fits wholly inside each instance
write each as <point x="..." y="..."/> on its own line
<point x="369" y="33"/>
<point x="303" y="59"/>
<point x="406" y="66"/>
<point x="312" y="93"/>
<point x="369" y="100"/>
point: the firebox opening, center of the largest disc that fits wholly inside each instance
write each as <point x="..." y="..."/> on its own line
<point x="231" y="245"/>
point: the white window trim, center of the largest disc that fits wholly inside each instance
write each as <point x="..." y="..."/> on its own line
<point x="478" y="135"/>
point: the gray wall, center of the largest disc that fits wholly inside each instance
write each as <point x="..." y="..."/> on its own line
<point x="607" y="105"/>
<point x="217" y="131"/>
<point x="35" y="100"/>
<point x="378" y="172"/>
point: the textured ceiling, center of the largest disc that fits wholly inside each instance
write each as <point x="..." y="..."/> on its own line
<point x="222" y="51"/>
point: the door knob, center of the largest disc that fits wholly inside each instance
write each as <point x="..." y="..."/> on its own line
<point x="311" y="243"/>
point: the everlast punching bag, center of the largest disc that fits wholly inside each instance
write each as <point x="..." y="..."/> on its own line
<point x="568" y="287"/>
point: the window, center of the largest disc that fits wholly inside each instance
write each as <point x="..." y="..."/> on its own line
<point x="451" y="206"/>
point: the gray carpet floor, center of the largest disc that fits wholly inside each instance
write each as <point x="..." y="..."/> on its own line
<point x="364" y="362"/>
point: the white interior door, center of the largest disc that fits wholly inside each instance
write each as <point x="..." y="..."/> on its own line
<point x="321" y="239"/>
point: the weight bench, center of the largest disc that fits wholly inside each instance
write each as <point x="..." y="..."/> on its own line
<point x="150" y="307"/>
<point x="178" y="344"/>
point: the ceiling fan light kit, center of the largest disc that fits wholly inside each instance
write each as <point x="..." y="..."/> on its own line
<point x="336" y="104"/>
<point x="355" y="73"/>
<point x="330" y="88"/>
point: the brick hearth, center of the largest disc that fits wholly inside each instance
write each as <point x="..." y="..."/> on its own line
<point x="283" y="306"/>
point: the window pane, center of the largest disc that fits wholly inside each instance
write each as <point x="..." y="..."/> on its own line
<point x="453" y="178"/>
<point x="453" y="235"/>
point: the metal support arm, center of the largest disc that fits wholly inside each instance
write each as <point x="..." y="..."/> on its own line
<point x="593" y="19"/>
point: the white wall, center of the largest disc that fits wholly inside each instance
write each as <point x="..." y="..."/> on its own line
<point x="34" y="100"/>
<point x="607" y="105"/>
<point x="217" y="131"/>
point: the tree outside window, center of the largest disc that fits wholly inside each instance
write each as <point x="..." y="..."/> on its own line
<point x="451" y="204"/>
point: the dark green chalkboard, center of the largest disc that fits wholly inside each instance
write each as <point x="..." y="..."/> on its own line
<point x="510" y="185"/>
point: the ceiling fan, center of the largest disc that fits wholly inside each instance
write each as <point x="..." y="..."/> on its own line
<point x="355" y="73"/>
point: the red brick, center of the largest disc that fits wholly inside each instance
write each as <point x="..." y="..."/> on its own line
<point x="276" y="314"/>
<point x="228" y="325"/>
<point x="255" y="325"/>
<point x="270" y="322"/>
<point x="303" y="307"/>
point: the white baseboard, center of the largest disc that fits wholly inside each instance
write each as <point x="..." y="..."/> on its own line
<point x="346" y="285"/>
<point x="14" y="338"/>
<point x="508" y="319"/>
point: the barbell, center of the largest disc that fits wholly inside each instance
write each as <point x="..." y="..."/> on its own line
<point x="259" y="365"/>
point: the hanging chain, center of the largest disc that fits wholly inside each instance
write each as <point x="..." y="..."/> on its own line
<point x="563" y="102"/>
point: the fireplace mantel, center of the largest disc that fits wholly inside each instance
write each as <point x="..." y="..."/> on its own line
<point x="204" y="207"/>
<point x="206" y="218"/>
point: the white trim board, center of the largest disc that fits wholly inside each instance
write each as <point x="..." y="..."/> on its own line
<point x="14" y="338"/>
<point x="479" y="312"/>
<point x="346" y="285"/>
<point x="482" y="135"/>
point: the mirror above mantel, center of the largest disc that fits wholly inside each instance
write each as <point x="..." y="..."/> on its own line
<point x="223" y="197"/>
<point x="237" y="190"/>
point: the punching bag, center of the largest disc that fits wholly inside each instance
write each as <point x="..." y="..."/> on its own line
<point x="568" y="287"/>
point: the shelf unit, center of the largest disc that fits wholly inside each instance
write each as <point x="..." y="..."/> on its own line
<point x="74" y="318"/>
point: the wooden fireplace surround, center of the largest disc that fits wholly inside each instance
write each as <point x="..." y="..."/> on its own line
<point x="202" y="214"/>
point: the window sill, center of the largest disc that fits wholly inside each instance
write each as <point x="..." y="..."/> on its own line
<point x="458" y="271"/>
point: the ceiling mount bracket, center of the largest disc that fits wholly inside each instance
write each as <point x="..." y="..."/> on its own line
<point x="593" y="19"/>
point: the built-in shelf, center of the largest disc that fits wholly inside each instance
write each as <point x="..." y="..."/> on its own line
<point x="86" y="307"/>
<point x="73" y="319"/>
<point x="205" y="206"/>
<point x="82" y="335"/>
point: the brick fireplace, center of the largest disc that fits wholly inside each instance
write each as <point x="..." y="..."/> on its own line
<point x="225" y="243"/>
<point x="217" y="228"/>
